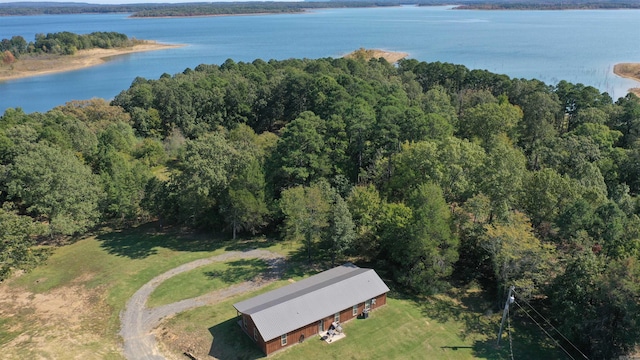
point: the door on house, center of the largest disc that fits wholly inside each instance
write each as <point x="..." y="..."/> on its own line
<point x="321" y="326"/>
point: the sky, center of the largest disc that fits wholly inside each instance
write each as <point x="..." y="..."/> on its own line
<point x="111" y="2"/>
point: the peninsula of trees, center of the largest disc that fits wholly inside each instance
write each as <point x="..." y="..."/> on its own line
<point x="63" y="51"/>
<point x="437" y="174"/>
<point x="64" y="43"/>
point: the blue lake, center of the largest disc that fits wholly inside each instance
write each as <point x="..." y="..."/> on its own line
<point x="578" y="46"/>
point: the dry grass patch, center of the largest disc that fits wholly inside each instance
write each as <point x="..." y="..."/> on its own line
<point x="629" y="71"/>
<point x="368" y="54"/>
<point x="54" y="324"/>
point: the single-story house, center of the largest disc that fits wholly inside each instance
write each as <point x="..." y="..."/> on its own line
<point x="290" y="314"/>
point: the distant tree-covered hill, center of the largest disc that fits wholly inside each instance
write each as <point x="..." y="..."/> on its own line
<point x="253" y="7"/>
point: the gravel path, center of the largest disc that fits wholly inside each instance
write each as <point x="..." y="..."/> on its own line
<point x="138" y="321"/>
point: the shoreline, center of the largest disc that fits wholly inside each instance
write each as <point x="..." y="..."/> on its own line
<point x="367" y="54"/>
<point x="629" y="71"/>
<point x="53" y="64"/>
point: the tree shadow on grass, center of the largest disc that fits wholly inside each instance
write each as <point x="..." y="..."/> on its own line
<point x="244" y="244"/>
<point x="240" y="270"/>
<point x="481" y="323"/>
<point x="527" y="342"/>
<point x="230" y="342"/>
<point x="144" y="241"/>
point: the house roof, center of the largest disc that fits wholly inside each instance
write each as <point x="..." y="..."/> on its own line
<point x="293" y="306"/>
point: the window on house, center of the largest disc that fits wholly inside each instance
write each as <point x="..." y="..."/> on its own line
<point x="367" y="305"/>
<point x="283" y="340"/>
<point x="255" y="334"/>
<point x="355" y="310"/>
<point x="244" y="321"/>
<point x="336" y="317"/>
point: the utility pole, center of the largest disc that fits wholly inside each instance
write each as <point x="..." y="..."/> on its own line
<point x="510" y="300"/>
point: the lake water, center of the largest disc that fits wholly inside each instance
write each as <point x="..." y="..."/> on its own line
<point x="578" y="46"/>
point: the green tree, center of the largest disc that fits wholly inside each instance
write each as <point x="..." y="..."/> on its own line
<point x="301" y="155"/>
<point x="595" y="303"/>
<point x="243" y="205"/>
<point x="341" y="231"/>
<point x="17" y="240"/>
<point x="627" y="121"/>
<point x="365" y="206"/>
<point x="306" y="213"/>
<point x="418" y="240"/>
<point x="205" y="166"/>
<point x="56" y="185"/>
<point x="489" y="120"/>
<point x="540" y="113"/>
<point x="517" y="256"/>
<point x="436" y="101"/>
<point x="545" y="193"/>
<point x="500" y="177"/>
<point x="124" y="181"/>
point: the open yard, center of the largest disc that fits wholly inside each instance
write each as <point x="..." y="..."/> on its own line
<point x="437" y="328"/>
<point x="69" y="308"/>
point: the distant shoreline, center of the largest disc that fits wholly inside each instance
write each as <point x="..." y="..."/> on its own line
<point x="629" y="71"/>
<point x="31" y="66"/>
<point x="367" y="54"/>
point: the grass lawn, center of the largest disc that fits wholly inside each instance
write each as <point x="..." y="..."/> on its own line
<point x="70" y="306"/>
<point x="206" y="279"/>
<point x="451" y="326"/>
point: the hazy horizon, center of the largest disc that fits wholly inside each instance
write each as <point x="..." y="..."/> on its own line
<point x="127" y="2"/>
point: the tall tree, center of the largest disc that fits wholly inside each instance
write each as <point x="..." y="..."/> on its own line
<point x="56" y="185"/>
<point x="488" y="121"/>
<point x="365" y="206"/>
<point x="341" y="231"/>
<point x="518" y="257"/>
<point x="301" y="155"/>
<point x="501" y="176"/>
<point x="205" y="166"/>
<point x="418" y="240"/>
<point x="243" y="204"/>
<point x="306" y="212"/>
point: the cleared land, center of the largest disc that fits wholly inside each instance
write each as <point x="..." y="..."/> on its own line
<point x="70" y="307"/>
<point x="630" y="71"/>
<point x="28" y="66"/>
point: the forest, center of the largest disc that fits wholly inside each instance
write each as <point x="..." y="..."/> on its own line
<point x="435" y="174"/>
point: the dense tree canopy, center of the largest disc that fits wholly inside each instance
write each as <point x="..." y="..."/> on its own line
<point x="431" y="171"/>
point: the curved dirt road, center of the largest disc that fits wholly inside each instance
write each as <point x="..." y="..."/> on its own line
<point x="138" y="321"/>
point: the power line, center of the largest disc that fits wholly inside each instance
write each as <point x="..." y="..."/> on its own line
<point x="553" y="327"/>
<point x="545" y="331"/>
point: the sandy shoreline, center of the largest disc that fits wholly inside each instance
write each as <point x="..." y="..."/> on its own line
<point x="390" y="56"/>
<point x="51" y="64"/>
<point x="629" y="71"/>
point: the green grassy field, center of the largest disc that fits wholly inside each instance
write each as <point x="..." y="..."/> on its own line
<point x="205" y="279"/>
<point x="70" y="306"/>
<point x="441" y="327"/>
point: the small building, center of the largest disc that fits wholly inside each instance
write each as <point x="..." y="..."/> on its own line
<point x="293" y="313"/>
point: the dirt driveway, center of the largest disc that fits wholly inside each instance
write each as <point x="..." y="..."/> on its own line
<point x="138" y="321"/>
